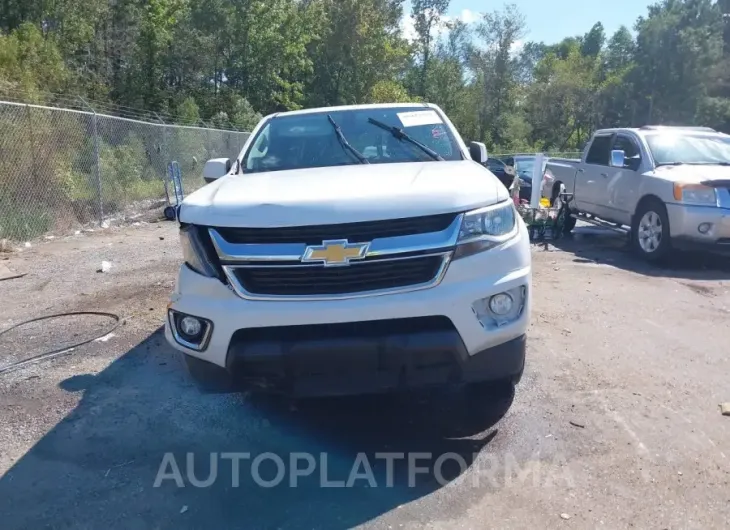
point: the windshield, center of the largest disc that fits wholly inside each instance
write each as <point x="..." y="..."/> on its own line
<point x="523" y="167"/>
<point x="495" y="165"/>
<point x="300" y="141"/>
<point x="673" y="148"/>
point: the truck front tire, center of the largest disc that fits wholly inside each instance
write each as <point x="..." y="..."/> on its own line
<point x="650" y="235"/>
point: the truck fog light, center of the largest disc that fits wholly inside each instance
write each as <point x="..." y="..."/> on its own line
<point x="190" y="331"/>
<point x="500" y="309"/>
<point x="704" y="228"/>
<point x="501" y="304"/>
<point x="191" y="327"/>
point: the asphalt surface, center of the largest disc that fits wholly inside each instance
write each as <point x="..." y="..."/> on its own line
<point x="616" y="423"/>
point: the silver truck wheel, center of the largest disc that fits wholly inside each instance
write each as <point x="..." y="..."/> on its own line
<point x="650" y="232"/>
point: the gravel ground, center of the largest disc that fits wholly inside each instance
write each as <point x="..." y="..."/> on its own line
<point x="616" y="423"/>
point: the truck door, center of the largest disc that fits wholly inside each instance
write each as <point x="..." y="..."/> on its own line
<point x="622" y="186"/>
<point x="590" y="181"/>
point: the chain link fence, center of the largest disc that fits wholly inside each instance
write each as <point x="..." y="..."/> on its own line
<point x="62" y="168"/>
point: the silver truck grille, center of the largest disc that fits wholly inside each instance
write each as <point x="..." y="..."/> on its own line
<point x="267" y="263"/>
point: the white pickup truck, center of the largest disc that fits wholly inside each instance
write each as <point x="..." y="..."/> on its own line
<point x="352" y="250"/>
<point x="669" y="186"/>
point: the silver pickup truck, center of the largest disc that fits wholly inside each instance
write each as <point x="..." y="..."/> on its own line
<point x="669" y="187"/>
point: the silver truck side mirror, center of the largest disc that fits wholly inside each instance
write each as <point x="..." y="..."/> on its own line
<point x="216" y="168"/>
<point x="478" y="152"/>
<point x="618" y="158"/>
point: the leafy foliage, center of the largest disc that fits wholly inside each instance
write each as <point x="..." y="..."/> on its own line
<point x="227" y="62"/>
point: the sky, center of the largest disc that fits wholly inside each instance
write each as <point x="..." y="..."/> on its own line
<point x="552" y="20"/>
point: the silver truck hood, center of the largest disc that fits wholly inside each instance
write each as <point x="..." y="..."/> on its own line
<point x="693" y="174"/>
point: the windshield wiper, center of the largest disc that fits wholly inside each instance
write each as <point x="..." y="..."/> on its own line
<point x="345" y="144"/>
<point x="401" y="135"/>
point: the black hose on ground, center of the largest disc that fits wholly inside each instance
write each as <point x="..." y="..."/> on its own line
<point x="65" y="349"/>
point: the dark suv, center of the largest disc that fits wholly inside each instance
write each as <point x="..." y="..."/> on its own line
<point x="501" y="171"/>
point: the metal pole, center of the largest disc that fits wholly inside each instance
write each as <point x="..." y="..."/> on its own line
<point x="97" y="159"/>
<point x="165" y="153"/>
<point x="538" y="170"/>
<point x="207" y="140"/>
<point x="33" y="151"/>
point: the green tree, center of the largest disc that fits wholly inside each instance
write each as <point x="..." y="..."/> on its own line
<point x="427" y="15"/>
<point x="593" y="41"/>
<point x="677" y="44"/>
<point x="495" y="70"/>
<point x="360" y="45"/>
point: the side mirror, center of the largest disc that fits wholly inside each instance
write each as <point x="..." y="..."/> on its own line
<point x="618" y="158"/>
<point x="216" y="168"/>
<point x="478" y="152"/>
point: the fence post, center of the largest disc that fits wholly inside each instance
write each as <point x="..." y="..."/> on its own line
<point x="208" y="154"/>
<point x="33" y="151"/>
<point x="97" y="158"/>
<point x="166" y="158"/>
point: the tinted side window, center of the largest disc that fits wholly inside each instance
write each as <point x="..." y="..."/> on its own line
<point x="599" y="151"/>
<point x="628" y="146"/>
<point x="631" y="150"/>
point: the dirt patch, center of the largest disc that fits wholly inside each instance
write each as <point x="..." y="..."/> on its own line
<point x="615" y="422"/>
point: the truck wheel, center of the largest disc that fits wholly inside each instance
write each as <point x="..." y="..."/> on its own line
<point x="210" y="378"/>
<point x="650" y="231"/>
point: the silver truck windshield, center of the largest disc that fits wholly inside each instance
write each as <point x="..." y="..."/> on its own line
<point x="299" y="141"/>
<point x="677" y="149"/>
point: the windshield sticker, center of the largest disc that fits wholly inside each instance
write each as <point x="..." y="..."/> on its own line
<point x="438" y="132"/>
<point x="419" y="117"/>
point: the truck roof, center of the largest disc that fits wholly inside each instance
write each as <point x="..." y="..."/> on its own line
<point x="354" y="107"/>
<point x="650" y="128"/>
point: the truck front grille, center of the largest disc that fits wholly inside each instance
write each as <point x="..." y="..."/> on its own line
<point x="361" y="277"/>
<point x="353" y="232"/>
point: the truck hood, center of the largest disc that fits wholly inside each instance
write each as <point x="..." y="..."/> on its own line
<point x="695" y="174"/>
<point x="342" y="194"/>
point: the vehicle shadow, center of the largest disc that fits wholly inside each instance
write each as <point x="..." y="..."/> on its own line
<point x="592" y="244"/>
<point x="144" y="448"/>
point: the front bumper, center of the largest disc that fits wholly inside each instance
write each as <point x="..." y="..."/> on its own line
<point x="353" y="360"/>
<point x="684" y="223"/>
<point x="246" y="331"/>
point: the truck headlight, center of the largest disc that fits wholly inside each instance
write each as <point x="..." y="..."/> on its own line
<point x="695" y="194"/>
<point x="485" y="228"/>
<point x="195" y="252"/>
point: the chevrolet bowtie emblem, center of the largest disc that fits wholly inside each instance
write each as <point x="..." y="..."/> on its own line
<point x="339" y="252"/>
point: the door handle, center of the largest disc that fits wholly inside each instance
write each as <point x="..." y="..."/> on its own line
<point x="580" y="170"/>
<point x="604" y="175"/>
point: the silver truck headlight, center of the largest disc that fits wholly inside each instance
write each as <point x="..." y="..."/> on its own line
<point x="485" y="228"/>
<point x="195" y="253"/>
<point x="695" y="194"/>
